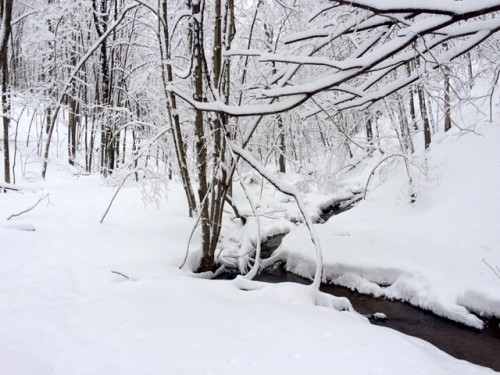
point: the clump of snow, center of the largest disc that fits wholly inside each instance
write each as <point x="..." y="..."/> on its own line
<point x="483" y="300"/>
<point x="379" y="316"/>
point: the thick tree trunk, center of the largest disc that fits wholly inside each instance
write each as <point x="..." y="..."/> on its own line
<point x="211" y="157"/>
<point x="107" y="140"/>
<point x="207" y="261"/>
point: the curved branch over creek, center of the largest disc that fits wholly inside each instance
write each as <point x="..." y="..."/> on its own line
<point x="462" y="342"/>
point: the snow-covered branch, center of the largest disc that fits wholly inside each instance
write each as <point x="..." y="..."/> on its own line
<point x="291" y="191"/>
<point x="389" y="34"/>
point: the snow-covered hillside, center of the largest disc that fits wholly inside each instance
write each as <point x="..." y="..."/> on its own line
<point x="442" y="253"/>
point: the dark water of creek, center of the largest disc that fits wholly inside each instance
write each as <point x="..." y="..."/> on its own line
<point x="479" y="347"/>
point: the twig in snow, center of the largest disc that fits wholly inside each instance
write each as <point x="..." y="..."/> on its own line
<point x="29" y="208"/>
<point x="121" y="274"/>
<point x="114" y="196"/>
<point x="495" y="271"/>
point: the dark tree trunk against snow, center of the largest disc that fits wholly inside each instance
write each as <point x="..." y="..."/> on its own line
<point x="470" y="70"/>
<point x="404" y="126"/>
<point x="369" y="133"/>
<point x="107" y="140"/>
<point x="447" y="98"/>
<point x="73" y="99"/>
<point x="211" y="147"/>
<point x="5" y="31"/>
<point x="413" y="106"/>
<point x="6" y="113"/>
<point x="72" y="126"/>
<point x="281" y="145"/>
<point x="201" y="141"/>
<point x="49" y="75"/>
<point x="424" y="116"/>
<point x="179" y="143"/>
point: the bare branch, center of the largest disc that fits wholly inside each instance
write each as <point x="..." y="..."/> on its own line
<point x="46" y="196"/>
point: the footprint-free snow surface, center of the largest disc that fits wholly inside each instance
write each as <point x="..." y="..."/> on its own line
<point x="63" y="310"/>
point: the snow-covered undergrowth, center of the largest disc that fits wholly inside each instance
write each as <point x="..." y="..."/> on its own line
<point x="64" y="312"/>
<point x="436" y="254"/>
<point x="269" y="212"/>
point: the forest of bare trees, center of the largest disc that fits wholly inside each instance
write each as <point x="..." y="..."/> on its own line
<point x="195" y="90"/>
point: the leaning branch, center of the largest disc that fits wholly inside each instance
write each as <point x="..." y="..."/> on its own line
<point x="114" y="196"/>
<point x="291" y="191"/>
<point x="378" y="165"/>
<point x="46" y="196"/>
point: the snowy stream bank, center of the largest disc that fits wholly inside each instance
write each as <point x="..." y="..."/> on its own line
<point x="479" y="347"/>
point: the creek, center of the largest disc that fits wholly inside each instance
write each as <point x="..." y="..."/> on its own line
<point x="479" y="347"/>
<point x="462" y="342"/>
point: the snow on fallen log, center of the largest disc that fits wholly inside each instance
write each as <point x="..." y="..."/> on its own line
<point x="6" y="186"/>
<point x="22" y="227"/>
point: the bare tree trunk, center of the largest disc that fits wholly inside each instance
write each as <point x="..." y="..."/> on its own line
<point x="405" y="128"/>
<point x="369" y="133"/>
<point x="72" y="130"/>
<point x="447" y="104"/>
<point x="413" y="107"/>
<point x="107" y="144"/>
<point x="211" y="196"/>
<point x="207" y="261"/>
<point x="281" y="145"/>
<point x="425" y="118"/>
<point x="6" y="114"/>
<point x="179" y="144"/>
<point x="72" y="119"/>
<point x="470" y="70"/>
<point x="5" y="31"/>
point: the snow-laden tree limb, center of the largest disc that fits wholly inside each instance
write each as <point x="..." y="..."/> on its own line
<point x="459" y="9"/>
<point x="291" y="191"/>
<point x="395" y="30"/>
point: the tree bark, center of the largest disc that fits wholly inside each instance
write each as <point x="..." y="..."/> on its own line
<point x="200" y="145"/>
<point x="5" y="31"/>
<point x="447" y="98"/>
<point x="179" y="144"/>
<point x="425" y="118"/>
<point x="107" y="141"/>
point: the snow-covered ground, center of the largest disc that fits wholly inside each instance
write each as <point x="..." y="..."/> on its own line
<point x="63" y="311"/>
